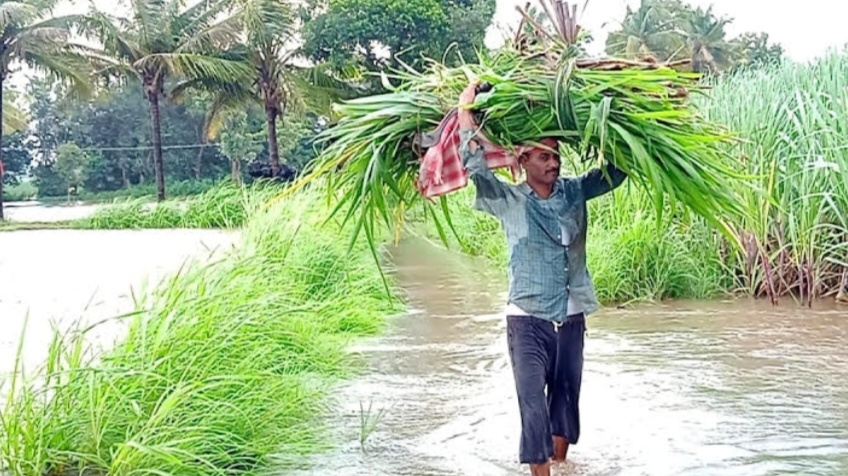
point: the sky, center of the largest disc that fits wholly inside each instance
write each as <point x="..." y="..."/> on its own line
<point x="805" y="29"/>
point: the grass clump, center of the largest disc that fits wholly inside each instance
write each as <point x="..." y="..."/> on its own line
<point x="223" y="369"/>
<point x="19" y="192"/>
<point x="796" y="242"/>
<point x="225" y="206"/>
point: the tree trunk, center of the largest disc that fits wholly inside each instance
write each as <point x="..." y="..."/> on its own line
<point x="235" y="171"/>
<point x="125" y="177"/>
<point x="198" y="161"/>
<point x="157" y="145"/>
<point x="273" y="147"/>
<point x="2" y="170"/>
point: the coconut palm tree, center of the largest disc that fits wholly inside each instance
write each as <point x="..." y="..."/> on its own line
<point x="707" y="40"/>
<point x="279" y="79"/>
<point x="29" y="36"/>
<point x="163" y="40"/>
<point x="650" y="30"/>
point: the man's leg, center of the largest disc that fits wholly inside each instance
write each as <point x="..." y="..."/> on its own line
<point x="532" y="343"/>
<point x="564" y="395"/>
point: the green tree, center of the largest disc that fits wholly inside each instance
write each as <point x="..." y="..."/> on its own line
<point x="369" y="33"/>
<point x="28" y="35"/>
<point x="116" y="123"/>
<point x="17" y="158"/>
<point x="277" y="78"/>
<point x="162" y="40"/>
<point x="71" y="164"/>
<point x="239" y="142"/>
<point x="653" y="29"/>
<point x="707" y="41"/>
<point x="757" y="51"/>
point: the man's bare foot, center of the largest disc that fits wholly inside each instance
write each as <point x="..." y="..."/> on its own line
<point x="560" y="449"/>
<point x="540" y="469"/>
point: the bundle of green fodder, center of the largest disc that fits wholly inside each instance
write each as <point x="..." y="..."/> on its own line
<point x="636" y="115"/>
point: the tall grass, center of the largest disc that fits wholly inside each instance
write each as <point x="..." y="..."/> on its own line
<point x="225" y="206"/>
<point x="222" y="370"/>
<point x="795" y="125"/>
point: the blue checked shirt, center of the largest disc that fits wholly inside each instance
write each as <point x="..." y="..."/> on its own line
<point x="546" y="238"/>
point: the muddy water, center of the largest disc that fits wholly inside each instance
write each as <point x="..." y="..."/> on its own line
<point x="30" y="212"/>
<point x="679" y="389"/>
<point x="64" y="276"/>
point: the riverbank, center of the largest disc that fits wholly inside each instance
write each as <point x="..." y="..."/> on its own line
<point x="224" y="367"/>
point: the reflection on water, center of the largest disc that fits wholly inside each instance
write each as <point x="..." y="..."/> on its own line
<point x="677" y="389"/>
<point x="62" y="274"/>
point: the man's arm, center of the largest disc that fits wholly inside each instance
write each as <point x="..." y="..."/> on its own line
<point x="492" y="194"/>
<point x="598" y="182"/>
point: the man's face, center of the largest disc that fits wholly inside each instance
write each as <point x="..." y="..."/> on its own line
<point x="542" y="165"/>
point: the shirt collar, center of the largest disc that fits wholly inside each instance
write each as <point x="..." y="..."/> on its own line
<point x="528" y="190"/>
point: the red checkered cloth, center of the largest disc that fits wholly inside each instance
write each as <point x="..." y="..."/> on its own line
<point x="442" y="170"/>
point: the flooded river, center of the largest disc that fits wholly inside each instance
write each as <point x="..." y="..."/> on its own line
<point x="67" y="275"/>
<point x="678" y="389"/>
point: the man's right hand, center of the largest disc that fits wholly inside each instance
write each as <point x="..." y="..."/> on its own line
<point x="469" y="94"/>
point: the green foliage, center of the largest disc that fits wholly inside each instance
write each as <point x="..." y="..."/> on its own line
<point x="671" y="30"/>
<point x="223" y="369"/>
<point x="652" y="29"/>
<point x="368" y="33"/>
<point x="706" y="39"/>
<point x="757" y="51"/>
<point x="162" y="40"/>
<point x="71" y="164"/>
<point x="273" y="75"/>
<point x="796" y="148"/>
<point x="19" y="192"/>
<point x="224" y="206"/>
<point x="633" y="117"/>
<point x="239" y="141"/>
<point x="33" y="38"/>
<point x="115" y="124"/>
<point x="17" y="158"/>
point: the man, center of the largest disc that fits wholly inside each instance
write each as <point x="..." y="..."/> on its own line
<point x="550" y="290"/>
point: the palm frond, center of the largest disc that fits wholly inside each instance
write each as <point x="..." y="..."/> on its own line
<point x="223" y="104"/>
<point x="14" y="118"/>
<point x="38" y="37"/>
<point x="194" y="65"/>
<point x="199" y="17"/>
<point x="114" y="39"/>
<point x="62" y="65"/>
<point x="267" y="21"/>
<point x="16" y="14"/>
<point x="318" y="88"/>
<point x="147" y="16"/>
<point x="217" y="37"/>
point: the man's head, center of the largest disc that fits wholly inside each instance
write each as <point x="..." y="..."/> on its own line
<point x="541" y="162"/>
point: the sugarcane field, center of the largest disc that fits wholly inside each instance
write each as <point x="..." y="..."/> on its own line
<point x="423" y="238"/>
